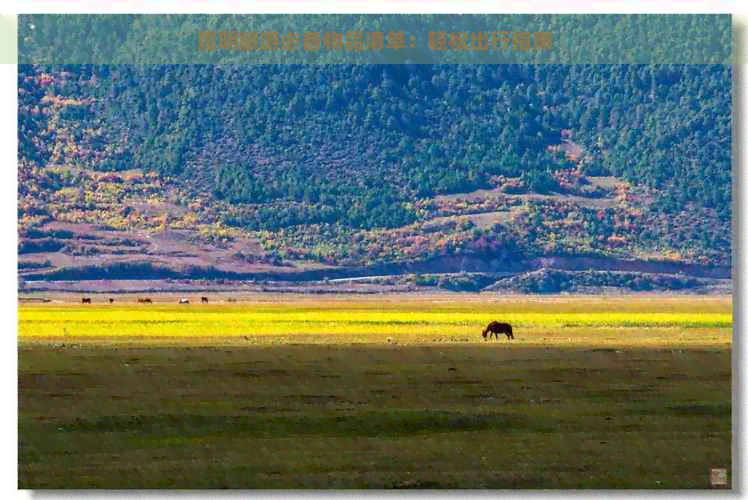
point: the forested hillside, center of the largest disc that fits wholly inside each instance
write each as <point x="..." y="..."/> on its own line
<point x="351" y="165"/>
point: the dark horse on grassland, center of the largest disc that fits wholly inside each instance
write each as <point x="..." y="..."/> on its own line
<point x="495" y="328"/>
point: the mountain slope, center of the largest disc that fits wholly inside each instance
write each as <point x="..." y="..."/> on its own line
<point x="284" y="169"/>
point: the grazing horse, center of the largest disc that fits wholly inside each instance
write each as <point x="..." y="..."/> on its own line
<point x="495" y="328"/>
<point x="111" y="301"/>
<point x="145" y="301"/>
<point x="184" y="301"/>
<point x="86" y="300"/>
<point x="203" y="300"/>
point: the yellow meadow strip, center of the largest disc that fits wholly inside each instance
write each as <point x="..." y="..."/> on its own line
<point x="196" y="321"/>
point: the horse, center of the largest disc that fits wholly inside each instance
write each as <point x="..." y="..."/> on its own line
<point x="111" y="301"/>
<point x="85" y="300"/>
<point x="495" y="328"/>
<point x="145" y="301"/>
<point x="203" y="300"/>
<point x="184" y="301"/>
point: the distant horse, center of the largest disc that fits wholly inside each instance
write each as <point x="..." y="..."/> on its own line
<point x="203" y="300"/>
<point x="495" y="328"/>
<point x="111" y="301"/>
<point x="184" y="301"/>
<point x="145" y="301"/>
<point x="86" y="300"/>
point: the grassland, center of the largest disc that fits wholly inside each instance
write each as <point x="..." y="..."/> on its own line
<point x="395" y="392"/>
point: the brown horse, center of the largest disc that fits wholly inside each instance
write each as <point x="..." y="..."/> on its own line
<point x="495" y="328"/>
<point x="86" y="300"/>
<point x="203" y="300"/>
<point x="111" y="301"/>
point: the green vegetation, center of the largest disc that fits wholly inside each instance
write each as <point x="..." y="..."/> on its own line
<point x="218" y="139"/>
<point x="553" y="281"/>
<point x="409" y="131"/>
<point x="296" y="395"/>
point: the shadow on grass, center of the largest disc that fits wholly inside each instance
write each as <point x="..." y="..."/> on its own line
<point x="363" y="424"/>
<point x="692" y="410"/>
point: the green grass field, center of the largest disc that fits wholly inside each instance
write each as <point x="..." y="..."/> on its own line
<point x="395" y="392"/>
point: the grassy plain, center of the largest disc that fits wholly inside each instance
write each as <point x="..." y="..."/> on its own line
<point x="393" y="392"/>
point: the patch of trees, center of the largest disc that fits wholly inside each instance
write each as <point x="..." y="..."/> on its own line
<point x="556" y="281"/>
<point x="360" y="141"/>
<point x="463" y="282"/>
<point x="40" y="245"/>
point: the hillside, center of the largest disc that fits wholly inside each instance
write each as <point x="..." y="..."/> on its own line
<point x="299" y="173"/>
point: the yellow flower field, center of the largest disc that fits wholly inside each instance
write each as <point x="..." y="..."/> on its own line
<point x="369" y="321"/>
